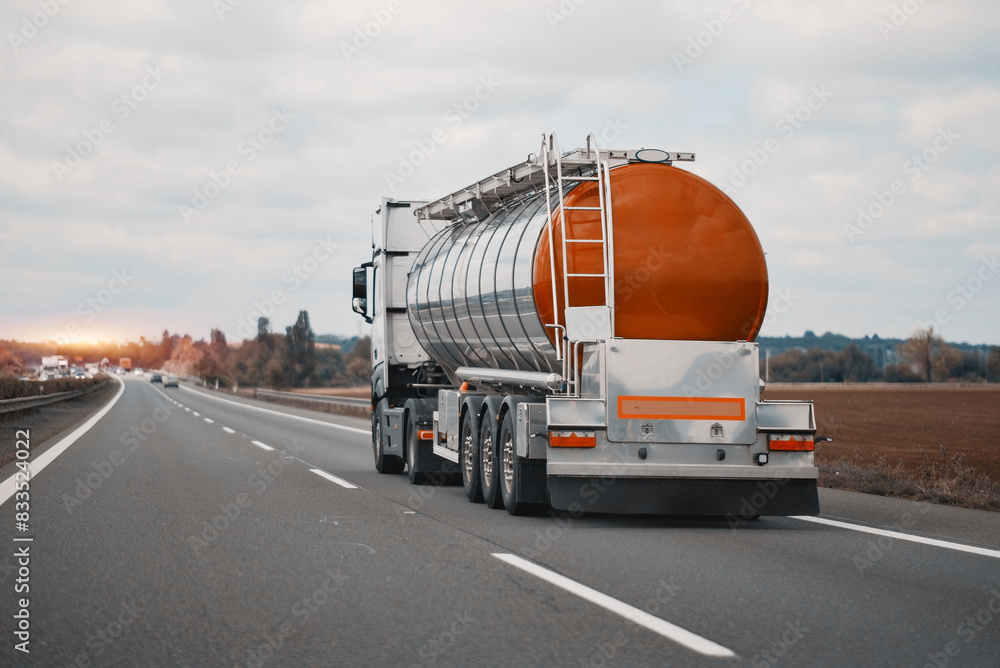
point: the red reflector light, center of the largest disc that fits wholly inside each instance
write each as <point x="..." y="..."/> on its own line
<point x="572" y="440"/>
<point x="793" y="444"/>
<point x="425" y="434"/>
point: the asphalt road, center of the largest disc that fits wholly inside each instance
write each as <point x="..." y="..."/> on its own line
<point x="173" y="534"/>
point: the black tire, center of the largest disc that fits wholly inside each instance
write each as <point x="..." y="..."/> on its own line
<point x="417" y="477"/>
<point x="388" y="464"/>
<point x="468" y="458"/>
<point x="489" y="469"/>
<point x="508" y="470"/>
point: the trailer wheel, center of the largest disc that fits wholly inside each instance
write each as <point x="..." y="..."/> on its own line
<point x="489" y="468"/>
<point x="508" y="469"/>
<point x="468" y="459"/>
<point x="383" y="463"/>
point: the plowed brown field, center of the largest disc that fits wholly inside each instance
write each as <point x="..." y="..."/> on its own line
<point x="914" y="424"/>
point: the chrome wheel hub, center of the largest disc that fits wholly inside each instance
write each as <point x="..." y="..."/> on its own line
<point x="487" y="460"/>
<point x="467" y="454"/>
<point x="508" y="462"/>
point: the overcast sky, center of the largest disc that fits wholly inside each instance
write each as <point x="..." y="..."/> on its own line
<point x="184" y="164"/>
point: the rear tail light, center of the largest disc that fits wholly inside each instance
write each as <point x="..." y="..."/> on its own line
<point x="793" y="443"/>
<point x="570" y="439"/>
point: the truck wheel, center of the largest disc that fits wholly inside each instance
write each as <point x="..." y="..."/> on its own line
<point x="489" y="469"/>
<point x="383" y="463"/>
<point x="468" y="460"/>
<point x="508" y="469"/>
<point x="412" y="453"/>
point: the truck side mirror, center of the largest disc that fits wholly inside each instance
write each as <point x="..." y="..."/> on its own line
<point x="359" y="300"/>
<point x="360" y="306"/>
<point x="360" y="283"/>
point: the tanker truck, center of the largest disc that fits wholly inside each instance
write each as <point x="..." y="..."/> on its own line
<point x="576" y="332"/>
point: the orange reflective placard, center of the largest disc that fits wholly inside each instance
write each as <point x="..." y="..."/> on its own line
<point x="793" y="444"/>
<point x="681" y="408"/>
<point x="572" y="441"/>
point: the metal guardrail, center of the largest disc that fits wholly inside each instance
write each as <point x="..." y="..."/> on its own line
<point x="22" y="403"/>
<point x="313" y="398"/>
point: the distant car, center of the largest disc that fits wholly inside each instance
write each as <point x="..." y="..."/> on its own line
<point x="170" y="381"/>
<point x="156" y="378"/>
<point x="138" y="372"/>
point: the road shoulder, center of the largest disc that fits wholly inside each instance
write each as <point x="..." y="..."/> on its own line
<point x="963" y="525"/>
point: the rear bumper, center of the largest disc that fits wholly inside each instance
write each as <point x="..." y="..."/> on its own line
<point x="684" y="496"/>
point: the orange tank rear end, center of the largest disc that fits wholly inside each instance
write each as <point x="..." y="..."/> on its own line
<point x="688" y="264"/>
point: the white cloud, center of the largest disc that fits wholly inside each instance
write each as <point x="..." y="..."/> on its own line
<point x="325" y="174"/>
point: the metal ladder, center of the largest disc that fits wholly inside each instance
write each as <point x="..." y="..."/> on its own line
<point x="591" y="161"/>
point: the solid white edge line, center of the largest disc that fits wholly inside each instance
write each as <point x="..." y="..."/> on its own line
<point x="228" y="430"/>
<point x="8" y="486"/>
<point x="262" y="445"/>
<point x="666" y="629"/>
<point x="367" y="432"/>
<point x="982" y="551"/>
<point x="333" y="478"/>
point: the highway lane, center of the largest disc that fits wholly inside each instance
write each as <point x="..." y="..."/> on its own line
<point x="411" y="574"/>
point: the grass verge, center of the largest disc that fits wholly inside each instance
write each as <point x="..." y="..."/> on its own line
<point x="946" y="480"/>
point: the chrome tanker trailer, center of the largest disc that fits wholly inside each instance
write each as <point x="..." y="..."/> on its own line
<point x="577" y="331"/>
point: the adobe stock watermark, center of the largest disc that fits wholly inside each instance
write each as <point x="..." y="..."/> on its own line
<point x="107" y="634"/>
<point x="224" y="7"/>
<point x="247" y="150"/>
<point x="711" y="372"/>
<point x="898" y="17"/>
<point x="365" y="34"/>
<point x="779" y="303"/>
<point x="915" y="167"/>
<point x="591" y="492"/>
<point x="751" y="506"/>
<point x="452" y="119"/>
<point x="296" y="275"/>
<point x="965" y="292"/>
<point x="610" y="131"/>
<point x="627" y="286"/>
<point x="91" y="306"/>
<point x="563" y="11"/>
<point x="665" y="592"/>
<point x="32" y="25"/>
<point x="698" y="43"/>
<point x="302" y="610"/>
<point x="421" y="493"/>
<point x="132" y="439"/>
<point x="605" y="652"/>
<point x="121" y="108"/>
<point x="794" y="632"/>
<point x="266" y="475"/>
<point x="970" y="629"/>
<point x="786" y="127"/>
<point x="439" y="645"/>
<point x="878" y="548"/>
